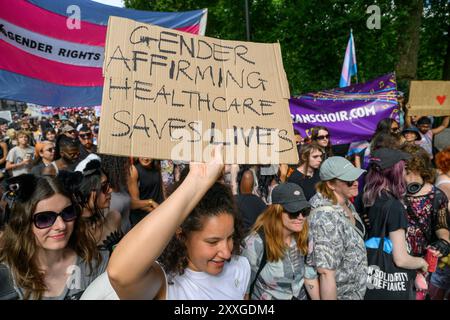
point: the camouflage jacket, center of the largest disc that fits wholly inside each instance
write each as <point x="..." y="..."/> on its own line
<point x="336" y="244"/>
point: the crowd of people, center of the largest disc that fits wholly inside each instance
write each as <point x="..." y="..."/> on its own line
<point x="75" y="224"/>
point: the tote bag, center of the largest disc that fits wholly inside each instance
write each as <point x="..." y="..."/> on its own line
<point x="386" y="281"/>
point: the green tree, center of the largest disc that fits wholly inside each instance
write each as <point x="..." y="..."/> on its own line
<point x="413" y="39"/>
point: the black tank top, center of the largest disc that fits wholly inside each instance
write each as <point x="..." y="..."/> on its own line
<point x="149" y="182"/>
<point x="150" y="187"/>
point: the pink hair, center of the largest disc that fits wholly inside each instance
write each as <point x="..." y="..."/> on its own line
<point x="390" y="179"/>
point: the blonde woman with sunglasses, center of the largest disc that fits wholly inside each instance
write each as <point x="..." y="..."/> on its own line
<point x="336" y="233"/>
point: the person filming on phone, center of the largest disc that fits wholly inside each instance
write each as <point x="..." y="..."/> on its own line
<point x="19" y="159"/>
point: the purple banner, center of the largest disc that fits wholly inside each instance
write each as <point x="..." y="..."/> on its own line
<point x="350" y="113"/>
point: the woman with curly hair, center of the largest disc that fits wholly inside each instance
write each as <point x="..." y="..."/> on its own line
<point x="277" y="246"/>
<point x="46" y="252"/>
<point x="426" y="204"/>
<point x="427" y="207"/>
<point x="198" y="224"/>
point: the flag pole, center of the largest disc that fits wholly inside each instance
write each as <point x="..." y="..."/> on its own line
<point x="247" y="20"/>
<point x="351" y="32"/>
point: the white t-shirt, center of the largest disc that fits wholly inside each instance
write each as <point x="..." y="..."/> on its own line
<point x="17" y="155"/>
<point x="230" y="284"/>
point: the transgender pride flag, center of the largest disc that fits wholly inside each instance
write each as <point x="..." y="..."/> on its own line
<point x="349" y="68"/>
<point x="44" y="61"/>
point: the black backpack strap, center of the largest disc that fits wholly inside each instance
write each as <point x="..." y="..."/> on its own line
<point x="262" y="263"/>
<point x="7" y="290"/>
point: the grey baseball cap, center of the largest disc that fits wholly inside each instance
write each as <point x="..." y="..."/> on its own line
<point x="339" y="168"/>
<point x="67" y="128"/>
<point x="290" y="196"/>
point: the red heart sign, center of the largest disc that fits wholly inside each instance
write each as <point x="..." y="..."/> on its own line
<point x="441" y="99"/>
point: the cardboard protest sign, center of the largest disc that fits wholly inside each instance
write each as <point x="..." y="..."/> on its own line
<point x="429" y="98"/>
<point x="173" y="95"/>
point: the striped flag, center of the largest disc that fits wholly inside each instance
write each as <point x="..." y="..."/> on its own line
<point x="349" y="68"/>
<point x="47" y="61"/>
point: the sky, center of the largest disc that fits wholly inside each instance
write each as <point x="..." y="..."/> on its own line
<point x="116" y="3"/>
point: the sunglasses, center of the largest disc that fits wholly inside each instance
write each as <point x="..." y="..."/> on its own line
<point x="50" y="149"/>
<point x="105" y="187"/>
<point x="323" y="137"/>
<point x="349" y="183"/>
<point x="71" y="132"/>
<point x="85" y="135"/>
<point x="304" y="212"/>
<point x="73" y="155"/>
<point x="46" y="219"/>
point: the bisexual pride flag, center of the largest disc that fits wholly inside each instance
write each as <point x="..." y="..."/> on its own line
<point x="48" y="59"/>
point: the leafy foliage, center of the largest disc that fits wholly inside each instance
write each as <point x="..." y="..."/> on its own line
<point x="314" y="34"/>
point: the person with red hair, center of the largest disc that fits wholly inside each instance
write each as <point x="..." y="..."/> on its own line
<point x="443" y="164"/>
<point x="439" y="287"/>
<point x="44" y="154"/>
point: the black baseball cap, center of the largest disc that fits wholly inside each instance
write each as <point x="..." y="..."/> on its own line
<point x="290" y="196"/>
<point x="385" y="157"/>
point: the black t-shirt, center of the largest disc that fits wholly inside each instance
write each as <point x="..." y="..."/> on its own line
<point x="397" y="215"/>
<point x="340" y="150"/>
<point x="308" y="184"/>
<point x="250" y="207"/>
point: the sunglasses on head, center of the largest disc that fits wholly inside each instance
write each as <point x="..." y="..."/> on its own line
<point x="85" y="135"/>
<point x="304" y="212"/>
<point x="323" y="137"/>
<point x="46" y="219"/>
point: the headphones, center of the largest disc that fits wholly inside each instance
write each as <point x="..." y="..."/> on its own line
<point x="414" y="187"/>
